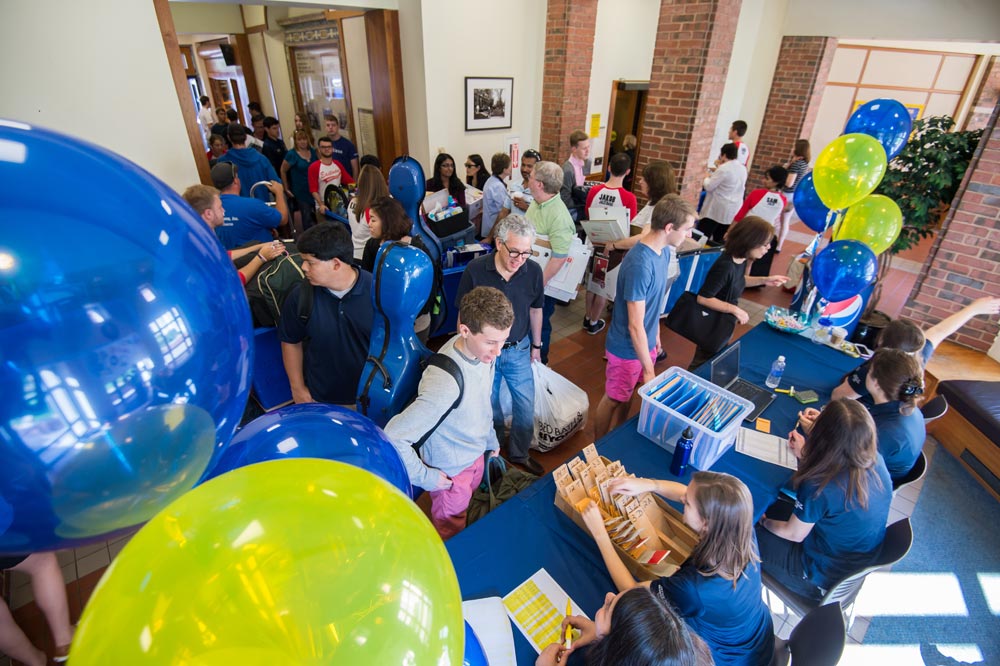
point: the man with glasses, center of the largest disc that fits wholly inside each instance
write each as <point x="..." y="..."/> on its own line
<point x="521" y="194"/>
<point x="246" y="220"/>
<point x="326" y="172"/>
<point x="509" y="270"/>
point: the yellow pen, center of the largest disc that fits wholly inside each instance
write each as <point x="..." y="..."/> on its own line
<point x="569" y="629"/>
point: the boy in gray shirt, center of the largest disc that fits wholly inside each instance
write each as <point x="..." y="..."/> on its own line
<point x="450" y="462"/>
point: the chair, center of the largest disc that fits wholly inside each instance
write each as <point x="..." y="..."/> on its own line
<point x="934" y="408"/>
<point x="818" y="640"/>
<point x="268" y="380"/>
<point x="915" y="474"/>
<point x="895" y="546"/>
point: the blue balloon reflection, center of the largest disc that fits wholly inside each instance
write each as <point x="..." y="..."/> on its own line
<point x="124" y="342"/>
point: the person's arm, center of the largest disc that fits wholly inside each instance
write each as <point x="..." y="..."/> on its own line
<point x="592" y="517"/>
<point x="720" y="305"/>
<point x="640" y="343"/>
<point x="752" y="200"/>
<point x="535" y="332"/>
<point x="845" y="390"/>
<point x="265" y="253"/>
<point x="345" y="178"/>
<point x="790" y="180"/>
<point x="312" y="177"/>
<point x="285" y="178"/>
<point x="626" y="244"/>
<point x="292" y="357"/>
<point x="715" y="179"/>
<point x="551" y="268"/>
<point x="767" y="280"/>
<point x="671" y="490"/>
<point x="715" y="282"/>
<point x="792" y="529"/>
<point x="354" y="165"/>
<point x="937" y="333"/>
<point x="280" y="203"/>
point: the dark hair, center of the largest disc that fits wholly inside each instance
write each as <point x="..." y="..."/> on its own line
<point x="660" y="180"/>
<point x="482" y="175"/>
<point x="324" y="138"/>
<point x="237" y="133"/>
<point x="486" y="306"/>
<point x="326" y="241"/>
<point x="645" y="631"/>
<point x="216" y="137"/>
<point x="576" y="137"/>
<point x="619" y="164"/>
<point x="729" y="151"/>
<point x="741" y="127"/>
<point x="899" y="375"/>
<point x="802" y="149"/>
<point x="257" y="118"/>
<point x="778" y="174"/>
<point x="204" y="100"/>
<point x="842" y="438"/>
<point x="332" y="118"/>
<point x="672" y="210"/>
<point x="499" y="163"/>
<point x="255" y="106"/>
<point x="270" y="121"/>
<point x="745" y="235"/>
<point x="902" y="334"/>
<point x="395" y="223"/>
<point x="454" y="184"/>
<point x="232" y="115"/>
<point x="370" y="159"/>
<point x="533" y="154"/>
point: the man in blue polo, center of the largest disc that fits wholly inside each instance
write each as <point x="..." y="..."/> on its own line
<point x="520" y="280"/>
<point x="246" y="220"/>
<point x="325" y="355"/>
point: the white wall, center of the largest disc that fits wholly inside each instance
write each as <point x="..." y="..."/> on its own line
<point x="411" y="44"/>
<point x="354" y="41"/>
<point x="623" y="49"/>
<point x="967" y="20"/>
<point x="93" y="93"/>
<point x="192" y="17"/>
<point x="505" y="39"/>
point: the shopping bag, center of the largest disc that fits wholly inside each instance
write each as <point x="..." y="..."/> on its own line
<point x="560" y="408"/>
<point x="708" y="328"/>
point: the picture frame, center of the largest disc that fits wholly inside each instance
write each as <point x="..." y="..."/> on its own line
<point x="489" y="103"/>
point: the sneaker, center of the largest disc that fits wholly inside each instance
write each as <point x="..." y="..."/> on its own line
<point x="529" y="464"/>
<point x="662" y="356"/>
<point x="595" y="327"/>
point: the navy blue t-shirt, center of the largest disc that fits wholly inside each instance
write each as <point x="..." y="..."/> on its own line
<point x="843" y="538"/>
<point x="900" y="437"/>
<point x="339" y="330"/>
<point x="856" y="380"/>
<point x="734" y="621"/>
<point x="246" y="220"/>
<point x="642" y="276"/>
<point x="525" y="290"/>
<point x="344" y="151"/>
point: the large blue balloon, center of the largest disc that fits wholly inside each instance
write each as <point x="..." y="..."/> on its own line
<point x="843" y="269"/>
<point x="314" y="430"/>
<point x="124" y="342"/>
<point x="474" y="655"/>
<point x="808" y="206"/>
<point x="884" y="119"/>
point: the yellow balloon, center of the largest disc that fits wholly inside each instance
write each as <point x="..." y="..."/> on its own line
<point x="299" y="561"/>
<point x="849" y="169"/>
<point x="875" y="221"/>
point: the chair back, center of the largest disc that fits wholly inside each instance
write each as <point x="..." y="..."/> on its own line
<point x="934" y="408"/>
<point x="269" y="381"/>
<point x="915" y="474"/>
<point x="819" y="639"/>
<point x="895" y="545"/>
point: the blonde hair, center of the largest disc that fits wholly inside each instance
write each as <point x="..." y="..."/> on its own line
<point x="200" y="197"/>
<point x="727" y="546"/>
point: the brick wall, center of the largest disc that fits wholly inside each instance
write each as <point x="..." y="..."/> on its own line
<point x="964" y="260"/>
<point x="986" y="97"/>
<point x="569" y="49"/>
<point x="694" y="42"/>
<point x="799" y="79"/>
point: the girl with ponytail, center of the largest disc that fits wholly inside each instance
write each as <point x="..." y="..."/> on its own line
<point x="896" y="382"/>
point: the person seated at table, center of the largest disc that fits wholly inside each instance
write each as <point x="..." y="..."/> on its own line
<point x="450" y="462"/>
<point x="717" y="590"/>
<point x="726" y="279"/>
<point x="905" y="335"/>
<point x="632" y="628"/>
<point x="445" y="179"/>
<point x="476" y="173"/>
<point x="843" y="493"/>
<point x="895" y="380"/>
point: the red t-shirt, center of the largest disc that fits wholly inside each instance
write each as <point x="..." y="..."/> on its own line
<point x="612" y="197"/>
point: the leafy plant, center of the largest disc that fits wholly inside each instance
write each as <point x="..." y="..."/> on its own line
<point x="923" y="180"/>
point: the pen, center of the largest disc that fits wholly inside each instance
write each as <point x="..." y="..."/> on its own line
<point x="569" y="629"/>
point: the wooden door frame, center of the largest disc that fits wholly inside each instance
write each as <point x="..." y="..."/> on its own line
<point x="622" y="85"/>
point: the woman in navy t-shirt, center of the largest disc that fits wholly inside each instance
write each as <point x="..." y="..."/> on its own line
<point x="843" y="495"/>
<point x="895" y="380"/>
<point x="717" y="590"/>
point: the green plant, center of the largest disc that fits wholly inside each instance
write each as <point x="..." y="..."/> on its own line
<point x="923" y="180"/>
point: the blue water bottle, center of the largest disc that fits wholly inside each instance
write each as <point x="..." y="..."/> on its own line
<point x="682" y="453"/>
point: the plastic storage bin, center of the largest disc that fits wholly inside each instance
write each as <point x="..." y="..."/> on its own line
<point x="663" y="425"/>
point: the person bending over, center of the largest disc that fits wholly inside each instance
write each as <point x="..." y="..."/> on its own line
<point x="843" y="493"/>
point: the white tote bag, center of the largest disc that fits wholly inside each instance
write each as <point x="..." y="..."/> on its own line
<point x="560" y="408"/>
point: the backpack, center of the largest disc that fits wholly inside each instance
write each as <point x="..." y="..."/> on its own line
<point x="268" y="288"/>
<point x="499" y="484"/>
<point x="446" y="363"/>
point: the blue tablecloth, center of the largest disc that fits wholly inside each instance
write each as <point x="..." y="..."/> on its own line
<point x="528" y="532"/>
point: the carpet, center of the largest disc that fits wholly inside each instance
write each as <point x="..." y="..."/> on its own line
<point x="956" y="528"/>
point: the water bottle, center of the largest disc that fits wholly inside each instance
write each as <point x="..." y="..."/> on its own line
<point x="682" y="453"/>
<point x="777" y="369"/>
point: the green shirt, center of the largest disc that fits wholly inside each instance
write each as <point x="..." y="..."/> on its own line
<point x="552" y="219"/>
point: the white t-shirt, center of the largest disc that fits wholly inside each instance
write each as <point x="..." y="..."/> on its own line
<point x="360" y="231"/>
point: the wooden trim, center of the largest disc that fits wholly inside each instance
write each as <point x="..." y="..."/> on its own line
<point x="900" y="50"/>
<point x="929" y="91"/>
<point x="385" y="64"/>
<point x="172" y="47"/>
<point x="341" y="14"/>
<point x="615" y="87"/>
<point x="254" y="29"/>
<point x="245" y="61"/>
<point x="973" y="83"/>
<point x="957" y="435"/>
<point x="296" y="90"/>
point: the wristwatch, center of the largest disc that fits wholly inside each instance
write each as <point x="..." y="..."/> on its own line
<point x="534" y="346"/>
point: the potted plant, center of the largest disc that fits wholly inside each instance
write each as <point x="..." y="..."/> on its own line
<point x="923" y="180"/>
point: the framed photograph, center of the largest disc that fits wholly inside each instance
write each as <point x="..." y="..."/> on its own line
<point x="488" y="103"/>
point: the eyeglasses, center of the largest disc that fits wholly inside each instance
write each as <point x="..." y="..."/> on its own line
<point x="469" y="166"/>
<point x="515" y="254"/>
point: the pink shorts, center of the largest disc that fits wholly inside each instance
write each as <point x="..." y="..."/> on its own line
<point x="622" y="376"/>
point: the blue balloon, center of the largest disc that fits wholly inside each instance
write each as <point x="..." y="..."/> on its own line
<point x="808" y="206"/>
<point x="843" y="269"/>
<point x="474" y="655"/>
<point x="884" y="119"/>
<point x="125" y="343"/>
<point x="314" y="430"/>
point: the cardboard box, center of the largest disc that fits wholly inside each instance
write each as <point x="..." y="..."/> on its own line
<point x="565" y="283"/>
<point x="660" y="523"/>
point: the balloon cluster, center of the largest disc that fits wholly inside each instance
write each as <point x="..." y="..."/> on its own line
<point x="838" y="195"/>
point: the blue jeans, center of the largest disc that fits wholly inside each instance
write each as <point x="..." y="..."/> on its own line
<point x="514" y="365"/>
<point x="547" y="309"/>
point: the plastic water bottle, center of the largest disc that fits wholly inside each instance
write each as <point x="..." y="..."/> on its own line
<point x="682" y="453"/>
<point x="777" y="369"/>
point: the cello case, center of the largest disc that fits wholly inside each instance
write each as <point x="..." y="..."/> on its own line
<point x="406" y="185"/>
<point x="401" y="285"/>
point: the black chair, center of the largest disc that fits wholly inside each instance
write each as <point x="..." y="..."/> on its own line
<point x="818" y="640"/>
<point x="934" y="408"/>
<point x="895" y="546"/>
<point x="915" y="474"/>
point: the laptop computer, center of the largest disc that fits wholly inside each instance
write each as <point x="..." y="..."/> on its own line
<point x="726" y="373"/>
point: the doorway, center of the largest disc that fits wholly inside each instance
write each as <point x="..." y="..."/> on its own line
<point x="628" y="108"/>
